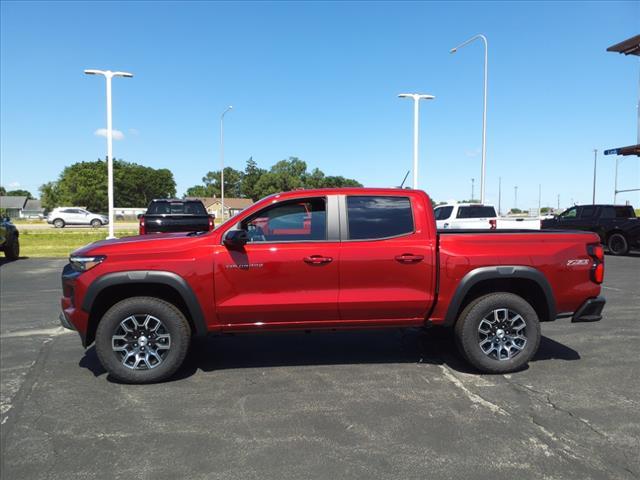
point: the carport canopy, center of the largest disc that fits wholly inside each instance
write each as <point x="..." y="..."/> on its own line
<point x="630" y="46"/>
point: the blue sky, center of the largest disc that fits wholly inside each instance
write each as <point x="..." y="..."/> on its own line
<point x="320" y="81"/>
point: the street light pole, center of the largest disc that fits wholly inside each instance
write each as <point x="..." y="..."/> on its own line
<point x="484" y="108"/>
<point x="230" y="107"/>
<point x="499" y="195"/>
<point x="595" y="163"/>
<point x="516" y="193"/>
<point x="416" y="128"/>
<point x="472" y="189"/>
<point x="108" y="75"/>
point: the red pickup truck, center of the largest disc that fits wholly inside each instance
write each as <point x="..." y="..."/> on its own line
<point x="328" y="259"/>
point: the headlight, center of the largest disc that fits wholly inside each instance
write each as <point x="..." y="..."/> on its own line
<point x="82" y="264"/>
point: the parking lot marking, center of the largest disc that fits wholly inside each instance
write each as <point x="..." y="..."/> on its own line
<point x="51" y="332"/>
<point x="474" y="398"/>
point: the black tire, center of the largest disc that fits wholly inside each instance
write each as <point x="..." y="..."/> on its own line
<point x="95" y="223"/>
<point x="12" y="250"/>
<point x="173" y="322"/>
<point x="468" y="336"/>
<point x="617" y="244"/>
<point x="59" y="223"/>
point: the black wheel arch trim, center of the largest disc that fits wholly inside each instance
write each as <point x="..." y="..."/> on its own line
<point x="149" y="276"/>
<point x="501" y="272"/>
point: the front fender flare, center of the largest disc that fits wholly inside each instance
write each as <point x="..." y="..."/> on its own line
<point x="149" y="276"/>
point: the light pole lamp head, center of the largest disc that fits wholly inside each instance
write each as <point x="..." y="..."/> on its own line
<point x="92" y="71"/>
<point x="453" y="50"/>
<point x="123" y="74"/>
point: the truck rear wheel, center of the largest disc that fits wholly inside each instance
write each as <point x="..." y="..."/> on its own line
<point x="618" y="244"/>
<point x="142" y="340"/>
<point x="498" y="333"/>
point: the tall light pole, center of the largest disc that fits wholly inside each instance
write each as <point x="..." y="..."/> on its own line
<point x="473" y="180"/>
<point x="499" y="195"/>
<point x="516" y="195"/>
<point x="230" y="107"/>
<point x="108" y="75"/>
<point x="416" y="126"/>
<point x="484" y="109"/>
<point x="615" y="182"/>
<point x="595" y="163"/>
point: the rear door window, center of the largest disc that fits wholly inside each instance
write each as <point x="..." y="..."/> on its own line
<point x="588" y="211"/>
<point x="476" y="211"/>
<point x="376" y="217"/>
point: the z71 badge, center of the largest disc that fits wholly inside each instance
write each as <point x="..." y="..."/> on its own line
<point x="578" y="262"/>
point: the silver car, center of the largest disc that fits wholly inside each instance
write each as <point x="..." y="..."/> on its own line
<point x="62" y="216"/>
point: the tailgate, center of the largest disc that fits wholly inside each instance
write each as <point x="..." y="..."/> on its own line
<point x="176" y="223"/>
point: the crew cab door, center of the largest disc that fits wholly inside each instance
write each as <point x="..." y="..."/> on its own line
<point x="287" y="272"/>
<point x="387" y="258"/>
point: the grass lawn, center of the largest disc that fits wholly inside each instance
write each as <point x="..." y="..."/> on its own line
<point x="60" y="243"/>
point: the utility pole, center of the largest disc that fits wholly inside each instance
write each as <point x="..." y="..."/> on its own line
<point x="416" y="128"/>
<point x="108" y="75"/>
<point x="222" y="160"/>
<point x="472" y="189"/>
<point x="516" y="194"/>
<point x="558" y="201"/>
<point x="499" y="195"/>
<point x="595" y="163"/>
<point x="539" y="198"/>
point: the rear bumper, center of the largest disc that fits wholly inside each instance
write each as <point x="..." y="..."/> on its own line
<point x="589" y="311"/>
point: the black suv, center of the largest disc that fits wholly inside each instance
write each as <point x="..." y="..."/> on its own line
<point x="617" y="225"/>
<point x="9" y="239"/>
<point x="173" y="215"/>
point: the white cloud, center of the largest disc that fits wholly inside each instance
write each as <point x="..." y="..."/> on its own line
<point x="134" y="131"/>
<point x="102" y="132"/>
<point x="14" y="184"/>
<point x="472" y="153"/>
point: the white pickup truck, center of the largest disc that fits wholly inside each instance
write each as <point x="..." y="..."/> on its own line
<point x="475" y="216"/>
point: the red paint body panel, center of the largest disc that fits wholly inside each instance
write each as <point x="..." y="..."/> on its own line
<point x="365" y="284"/>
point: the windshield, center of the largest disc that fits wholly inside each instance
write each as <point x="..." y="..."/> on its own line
<point x="176" y="208"/>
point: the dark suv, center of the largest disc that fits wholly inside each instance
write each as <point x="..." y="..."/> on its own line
<point x="9" y="239"/>
<point x="617" y="225"/>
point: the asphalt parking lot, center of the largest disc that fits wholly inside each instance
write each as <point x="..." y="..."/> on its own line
<point x="384" y="404"/>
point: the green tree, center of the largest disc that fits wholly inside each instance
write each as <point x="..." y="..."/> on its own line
<point x="211" y="184"/>
<point x="252" y="174"/>
<point x="3" y="191"/>
<point x="19" y="193"/>
<point x="85" y="184"/>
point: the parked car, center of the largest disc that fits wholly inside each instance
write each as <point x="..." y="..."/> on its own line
<point x="616" y="225"/>
<point x="62" y="216"/>
<point x="9" y="239"/>
<point x="370" y="258"/>
<point x="175" y="215"/>
<point x="475" y="216"/>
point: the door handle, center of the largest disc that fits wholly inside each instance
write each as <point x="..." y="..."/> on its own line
<point x="317" y="260"/>
<point x="409" y="258"/>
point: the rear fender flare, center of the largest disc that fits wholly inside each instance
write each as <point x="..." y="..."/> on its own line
<point x="499" y="273"/>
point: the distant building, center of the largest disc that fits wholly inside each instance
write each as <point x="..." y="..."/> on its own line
<point x="232" y="205"/>
<point x="21" y="207"/>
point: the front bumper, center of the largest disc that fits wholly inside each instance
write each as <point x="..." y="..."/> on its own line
<point x="65" y="322"/>
<point x="589" y="311"/>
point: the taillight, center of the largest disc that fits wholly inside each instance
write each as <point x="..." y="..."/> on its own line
<point x="493" y="224"/>
<point x="596" y="251"/>
<point x="142" y="230"/>
<point x="211" y="224"/>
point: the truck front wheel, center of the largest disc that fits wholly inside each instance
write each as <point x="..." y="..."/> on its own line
<point x="498" y="332"/>
<point x="142" y="340"/>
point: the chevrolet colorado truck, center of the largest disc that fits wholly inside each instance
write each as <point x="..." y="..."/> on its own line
<point x="328" y="259"/>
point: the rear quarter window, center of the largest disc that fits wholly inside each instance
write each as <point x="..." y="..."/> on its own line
<point x="442" y="213"/>
<point x="376" y="217"/>
<point x="473" y="211"/>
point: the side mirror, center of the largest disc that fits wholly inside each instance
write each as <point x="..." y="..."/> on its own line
<point x="236" y="238"/>
<point x="139" y="216"/>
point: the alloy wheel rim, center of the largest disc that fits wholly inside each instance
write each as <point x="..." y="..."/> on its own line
<point x="141" y="342"/>
<point x="502" y="334"/>
<point x="617" y="244"/>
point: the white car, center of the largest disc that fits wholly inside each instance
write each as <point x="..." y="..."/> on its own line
<point x="62" y="216"/>
<point x="475" y="216"/>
